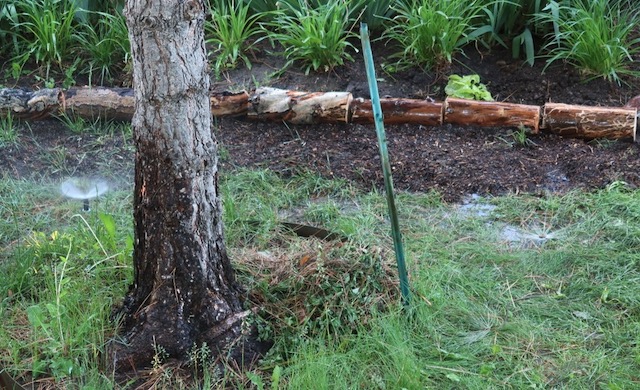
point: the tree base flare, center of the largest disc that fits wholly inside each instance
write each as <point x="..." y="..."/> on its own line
<point x="232" y="342"/>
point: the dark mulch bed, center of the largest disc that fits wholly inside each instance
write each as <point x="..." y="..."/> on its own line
<point x="454" y="160"/>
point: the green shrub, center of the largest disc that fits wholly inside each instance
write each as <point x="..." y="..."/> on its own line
<point x="48" y="33"/>
<point x="512" y="20"/>
<point x="229" y="30"/>
<point x="595" y="36"/>
<point x="106" y="45"/>
<point x="318" y="37"/>
<point x="430" y="33"/>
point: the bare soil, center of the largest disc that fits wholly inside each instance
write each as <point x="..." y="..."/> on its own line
<point x="454" y="160"/>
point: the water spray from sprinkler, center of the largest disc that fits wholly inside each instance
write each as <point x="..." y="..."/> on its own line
<point x="83" y="189"/>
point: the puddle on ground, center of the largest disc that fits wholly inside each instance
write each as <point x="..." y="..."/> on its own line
<point x="536" y="235"/>
<point x="472" y="206"/>
<point x="516" y="237"/>
<point x="299" y="212"/>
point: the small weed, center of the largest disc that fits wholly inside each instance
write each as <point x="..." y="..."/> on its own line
<point x="604" y="143"/>
<point x="80" y="125"/>
<point x="160" y="356"/>
<point x="69" y="73"/>
<point x="8" y="131"/>
<point x="47" y="82"/>
<point x="58" y="157"/>
<point x="75" y="123"/>
<point x="519" y="138"/>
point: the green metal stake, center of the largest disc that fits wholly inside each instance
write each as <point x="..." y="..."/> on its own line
<point x="386" y="166"/>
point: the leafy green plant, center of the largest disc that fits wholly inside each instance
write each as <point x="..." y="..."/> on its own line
<point x="263" y="7"/>
<point x="69" y="74"/>
<point x="595" y="36"/>
<point x="49" y="34"/>
<point x="430" y="33"/>
<point x="512" y="20"/>
<point x="47" y="82"/>
<point x="106" y="46"/>
<point x="258" y="382"/>
<point x="8" y="18"/>
<point x="376" y="12"/>
<point x="467" y="87"/>
<point x="229" y="30"/>
<point x="316" y="37"/>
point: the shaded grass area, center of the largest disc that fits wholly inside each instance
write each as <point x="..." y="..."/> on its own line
<point x="487" y="311"/>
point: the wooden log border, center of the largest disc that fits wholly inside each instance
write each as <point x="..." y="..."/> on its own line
<point x="297" y="107"/>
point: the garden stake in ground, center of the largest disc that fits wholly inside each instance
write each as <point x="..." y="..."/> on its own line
<point x="386" y="166"/>
<point x="297" y="107"/>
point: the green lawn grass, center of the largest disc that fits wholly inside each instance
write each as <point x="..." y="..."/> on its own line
<point x="558" y="308"/>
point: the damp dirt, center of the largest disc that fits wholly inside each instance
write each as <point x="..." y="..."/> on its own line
<point x="454" y="161"/>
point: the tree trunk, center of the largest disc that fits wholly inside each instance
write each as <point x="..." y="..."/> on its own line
<point x="184" y="291"/>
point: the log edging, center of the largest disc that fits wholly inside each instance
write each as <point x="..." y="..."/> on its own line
<point x="298" y="107"/>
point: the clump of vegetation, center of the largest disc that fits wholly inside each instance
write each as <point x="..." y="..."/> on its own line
<point x="106" y="46"/>
<point x="467" y="87"/>
<point x="46" y="32"/>
<point x="317" y="37"/>
<point x="595" y="36"/>
<point x="430" y="33"/>
<point x="229" y="30"/>
<point x="518" y="138"/>
<point x="306" y="288"/>
<point x="512" y="21"/>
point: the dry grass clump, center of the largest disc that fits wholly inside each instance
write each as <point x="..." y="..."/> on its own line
<point x="303" y="287"/>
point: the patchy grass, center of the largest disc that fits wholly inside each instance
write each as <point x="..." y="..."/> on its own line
<point x="487" y="310"/>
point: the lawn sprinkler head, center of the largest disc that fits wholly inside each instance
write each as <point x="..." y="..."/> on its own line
<point x="83" y="189"/>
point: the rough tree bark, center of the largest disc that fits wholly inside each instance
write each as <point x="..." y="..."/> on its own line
<point x="184" y="292"/>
